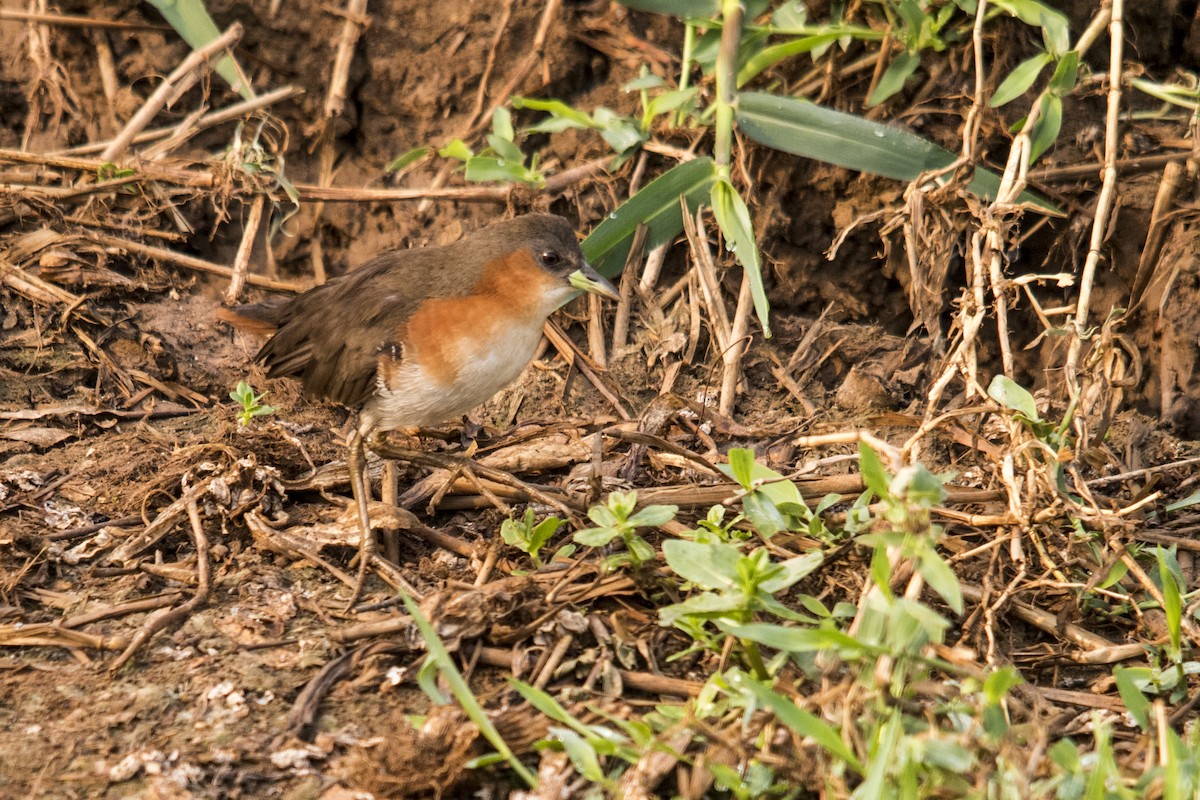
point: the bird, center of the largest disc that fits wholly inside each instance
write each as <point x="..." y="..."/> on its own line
<point x="416" y="337"/>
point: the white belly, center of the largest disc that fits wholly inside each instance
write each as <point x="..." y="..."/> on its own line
<point x="416" y="399"/>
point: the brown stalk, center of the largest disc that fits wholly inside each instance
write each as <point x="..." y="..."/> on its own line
<point x="186" y="74"/>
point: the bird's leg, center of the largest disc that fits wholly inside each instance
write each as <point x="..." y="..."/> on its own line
<point x="356" y="461"/>
<point x="389" y="491"/>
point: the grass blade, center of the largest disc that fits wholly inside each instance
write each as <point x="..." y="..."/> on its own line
<point x="462" y="692"/>
<point x="656" y="205"/>
<point x="806" y="129"/>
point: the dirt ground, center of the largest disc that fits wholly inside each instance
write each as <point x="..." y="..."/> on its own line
<point x="114" y="412"/>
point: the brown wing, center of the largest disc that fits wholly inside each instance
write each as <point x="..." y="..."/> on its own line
<point x="331" y="336"/>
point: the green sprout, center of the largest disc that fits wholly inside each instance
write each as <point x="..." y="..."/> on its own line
<point x="251" y="403"/>
<point x="616" y="518"/>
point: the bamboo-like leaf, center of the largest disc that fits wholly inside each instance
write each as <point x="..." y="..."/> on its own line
<point x="806" y="129"/>
<point x="191" y="21"/>
<point x="656" y="206"/>
<point x="1020" y="79"/>
<point x="899" y="71"/>
<point x="734" y="220"/>
<point x="684" y="9"/>
<point x="1046" y="129"/>
<point x="769" y="56"/>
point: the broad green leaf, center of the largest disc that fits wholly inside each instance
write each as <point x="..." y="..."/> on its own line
<point x="583" y="756"/>
<point x="647" y="80"/>
<point x="1115" y="574"/>
<point x="1131" y="695"/>
<point x="941" y="578"/>
<point x="1066" y="74"/>
<point x="404" y="159"/>
<point x="764" y="514"/>
<point x="796" y="718"/>
<point x="456" y="149"/>
<point x="792" y="570"/>
<point x="733" y="217"/>
<point x="998" y="682"/>
<point x="1054" y="24"/>
<point x="805" y="129"/>
<point x="795" y="640"/>
<point x="653" y="516"/>
<point x="1045" y="130"/>
<point x="595" y="537"/>
<point x="894" y="77"/>
<point x="502" y="123"/>
<point x="684" y="9"/>
<point x="741" y="466"/>
<point x="481" y="168"/>
<point x="505" y="150"/>
<point x="709" y="566"/>
<point x="657" y="206"/>
<point x="1172" y="602"/>
<point x="1020" y="79"/>
<point x="191" y="21"/>
<point x="873" y="473"/>
<point x="1010" y="394"/>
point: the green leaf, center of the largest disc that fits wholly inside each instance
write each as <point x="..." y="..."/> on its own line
<point x="481" y="169"/>
<point x="1066" y="74"/>
<point x="741" y="467"/>
<point x="595" y="537"/>
<point x="1187" y="502"/>
<point x="1010" y="394"/>
<point x="1020" y="79"/>
<point x="462" y="692"/>
<point x="769" y="56"/>
<point x="647" y="80"/>
<point x="873" y="473"/>
<point x="792" y="570"/>
<point x="733" y="217"/>
<point x="456" y="149"/>
<point x="684" y="9"/>
<point x="1172" y="602"/>
<point x="1055" y="26"/>
<point x="403" y="160"/>
<point x="709" y="566"/>
<point x="1045" y="130"/>
<point x="941" y="578"/>
<point x="796" y="718"/>
<point x="805" y="129"/>
<point x="583" y="756"/>
<point x="653" y="516"/>
<point x="502" y="123"/>
<point x="894" y="77"/>
<point x="505" y="149"/>
<point x="557" y="108"/>
<point x="1131" y="695"/>
<point x="764" y="514"/>
<point x="657" y="206"/>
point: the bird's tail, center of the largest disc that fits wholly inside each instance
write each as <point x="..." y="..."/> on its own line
<point x="259" y="318"/>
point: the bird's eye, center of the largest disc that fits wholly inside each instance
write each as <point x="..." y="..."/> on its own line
<point x="551" y="258"/>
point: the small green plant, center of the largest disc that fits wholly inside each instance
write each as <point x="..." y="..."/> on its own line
<point x="616" y="518"/>
<point x="771" y="502"/>
<point x="251" y="403"/>
<point x="1012" y="395"/>
<point x="736" y="587"/>
<point x="502" y="160"/>
<point x="529" y="537"/>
